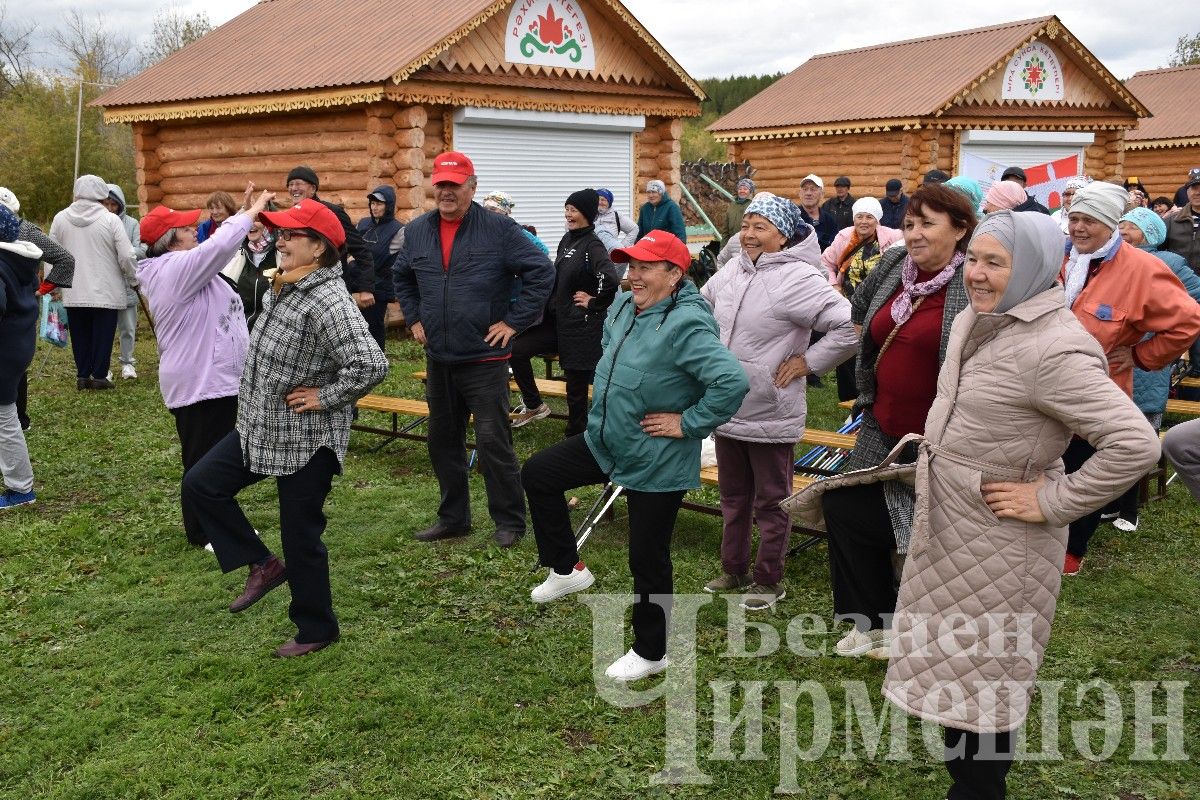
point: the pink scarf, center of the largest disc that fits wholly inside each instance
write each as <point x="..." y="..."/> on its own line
<point x="902" y="308"/>
<point x="260" y="246"/>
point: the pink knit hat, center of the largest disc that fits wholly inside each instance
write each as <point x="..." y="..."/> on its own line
<point x="1005" y="194"/>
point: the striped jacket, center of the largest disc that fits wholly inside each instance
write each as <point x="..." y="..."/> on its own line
<point x="312" y="334"/>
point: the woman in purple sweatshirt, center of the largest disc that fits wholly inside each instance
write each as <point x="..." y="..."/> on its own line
<point x="200" y="327"/>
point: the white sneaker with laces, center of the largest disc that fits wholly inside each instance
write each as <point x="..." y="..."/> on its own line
<point x="873" y="644"/>
<point x="556" y="586"/>
<point x="1122" y="524"/>
<point x="632" y="667"/>
<point x="128" y="372"/>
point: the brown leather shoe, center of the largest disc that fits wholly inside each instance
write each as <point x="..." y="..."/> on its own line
<point x="262" y="580"/>
<point x="291" y="648"/>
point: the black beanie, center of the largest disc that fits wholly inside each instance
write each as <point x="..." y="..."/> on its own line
<point x="305" y="174"/>
<point x="586" y="202"/>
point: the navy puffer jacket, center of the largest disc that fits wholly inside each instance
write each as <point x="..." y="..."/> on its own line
<point x="456" y="306"/>
<point x="378" y="236"/>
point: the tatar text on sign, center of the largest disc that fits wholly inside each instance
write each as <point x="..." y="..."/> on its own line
<point x="550" y="33"/>
<point x="1034" y="73"/>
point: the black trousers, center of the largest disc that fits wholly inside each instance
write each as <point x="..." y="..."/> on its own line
<point x="847" y="386"/>
<point x="92" y="334"/>
<point x="569" y="465"/>
<point x="455" y="392"/>
<point x="200" y="426"/>
<point x="978" y="763"/>
<point x="374" y="315"/>
<point x="861" y="542"/>
<point x="23" y="400"/>
<point x="541" y="339"/>
<point x="209" y="492"/>
<point x="1081" y="530"/>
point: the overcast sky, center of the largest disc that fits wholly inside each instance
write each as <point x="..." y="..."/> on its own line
<point x="715" y="38"/>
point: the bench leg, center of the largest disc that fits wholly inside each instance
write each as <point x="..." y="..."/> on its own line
<point x="807" y="544"/>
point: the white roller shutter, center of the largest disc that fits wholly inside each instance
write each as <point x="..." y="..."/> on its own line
<point x="540" y="158"/>
<point x="1024" y="148"/>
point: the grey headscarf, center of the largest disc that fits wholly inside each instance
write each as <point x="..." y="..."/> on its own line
<point x="1036" y="244"/>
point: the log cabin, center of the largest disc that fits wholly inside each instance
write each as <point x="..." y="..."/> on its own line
<point x="1161" y="150"/>
<point x="1019" y="94"/>
<point x="545" y="96"/>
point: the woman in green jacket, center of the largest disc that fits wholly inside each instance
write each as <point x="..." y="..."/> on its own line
<point x="664" y="383"/>
<point x="661" y="213"/>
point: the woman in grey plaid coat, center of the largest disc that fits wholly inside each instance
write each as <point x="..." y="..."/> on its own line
<point x="311" y="357"/>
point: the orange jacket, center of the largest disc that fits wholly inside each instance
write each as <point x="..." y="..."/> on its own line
<point x="1130" y="295"/>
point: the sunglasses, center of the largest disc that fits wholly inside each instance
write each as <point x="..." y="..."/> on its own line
<point x="287" y="234"/>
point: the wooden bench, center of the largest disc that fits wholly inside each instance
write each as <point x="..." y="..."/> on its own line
<point x="1187" y="408"/>
<point x="1190" y="383"/>
<point x="397" y="407"/>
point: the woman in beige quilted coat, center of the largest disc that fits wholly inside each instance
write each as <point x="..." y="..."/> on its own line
<point x="990" y="526"/>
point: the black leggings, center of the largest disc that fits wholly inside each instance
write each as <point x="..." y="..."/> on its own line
<point x="861" y="542"/>
<point x="978" y="763"/>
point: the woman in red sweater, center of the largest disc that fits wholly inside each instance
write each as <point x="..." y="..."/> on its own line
<point x="903" y="309"/>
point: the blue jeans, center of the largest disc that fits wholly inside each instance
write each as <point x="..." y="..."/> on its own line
<point x="455" y="392"/>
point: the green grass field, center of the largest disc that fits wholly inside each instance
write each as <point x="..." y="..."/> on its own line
<point x="124" y="676"/>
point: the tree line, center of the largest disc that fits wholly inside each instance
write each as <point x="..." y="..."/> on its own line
<point x="39" y="104"/>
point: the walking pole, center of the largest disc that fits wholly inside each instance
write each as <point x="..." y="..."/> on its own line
<point x="146" y="309"/>
<point x="594" y="519"/>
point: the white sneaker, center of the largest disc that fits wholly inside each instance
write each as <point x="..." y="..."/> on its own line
<point x="209" y="547"/>
<point x="1122" y="524"/>
<point x="128" y="372"/>
<point x="632" y="667"/>
<point x="109" y="376"/>
<point x="873" y="644"/>
<point x="556" y="586"/>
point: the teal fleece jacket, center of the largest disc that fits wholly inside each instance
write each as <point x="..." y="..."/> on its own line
<point x="669" y="358"/>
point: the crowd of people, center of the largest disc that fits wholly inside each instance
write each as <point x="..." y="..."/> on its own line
<point x="994" y="354"/>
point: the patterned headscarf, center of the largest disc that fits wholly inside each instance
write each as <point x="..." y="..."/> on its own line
<point x="779" y="211"/>
<point x="1076" y="183"/>
<point x="656" y="186"/>
<point x="501" y="201"/>
<point x="10" y="225"/>
<point x="749" y="184"/>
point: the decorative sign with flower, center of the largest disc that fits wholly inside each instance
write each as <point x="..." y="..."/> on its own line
<point x="1034" y="73"/>
<point x="551" y="33"/>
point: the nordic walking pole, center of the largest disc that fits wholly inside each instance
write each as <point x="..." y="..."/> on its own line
<point x="146" y="309"/>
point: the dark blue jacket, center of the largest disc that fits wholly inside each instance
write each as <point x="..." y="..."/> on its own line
<point x="893" y="213"/>
<point x="826" y="226"/>
<point x="456" y="306"/>
<point x="378" y="237"/>
<point x="18" y="319"/>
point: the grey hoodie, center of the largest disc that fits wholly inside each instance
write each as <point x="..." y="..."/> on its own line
<point x="104" y="256"/>
<point x="131" y="225"/>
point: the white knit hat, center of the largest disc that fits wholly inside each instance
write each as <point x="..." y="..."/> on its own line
<point x="868" y="205"/>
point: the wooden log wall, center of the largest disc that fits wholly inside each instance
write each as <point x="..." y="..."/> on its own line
<point x="657" y="154"/>
<point x="437" y="139"/>
<point x="869" y="160"/>
<point x="181" y="163"/>
<point x="1162" y="170"/>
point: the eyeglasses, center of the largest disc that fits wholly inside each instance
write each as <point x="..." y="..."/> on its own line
<point x="287" y="234"/>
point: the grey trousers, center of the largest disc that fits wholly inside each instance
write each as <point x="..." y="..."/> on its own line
<point x="127" y="326"/>
<point x="1181" y="446"/>
<point x="14" y="453"/>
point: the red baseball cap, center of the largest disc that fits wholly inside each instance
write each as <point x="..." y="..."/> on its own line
<point x="311" y="214"/>
<point x="162" y="219"/>
<point x="452" y="167"/>
<point x="656" y="246"/>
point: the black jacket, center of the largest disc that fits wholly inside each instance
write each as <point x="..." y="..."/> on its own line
<point x="582" y="265"/>
<point x="378" y="237"/>
<point x="1031" y="204"/>
<point x="456" y="306"/>
<point x="842" y="211"/>
<point x="252" y="285"/>
<point x="826" y="227"/>
<point x="358" y="268"/>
